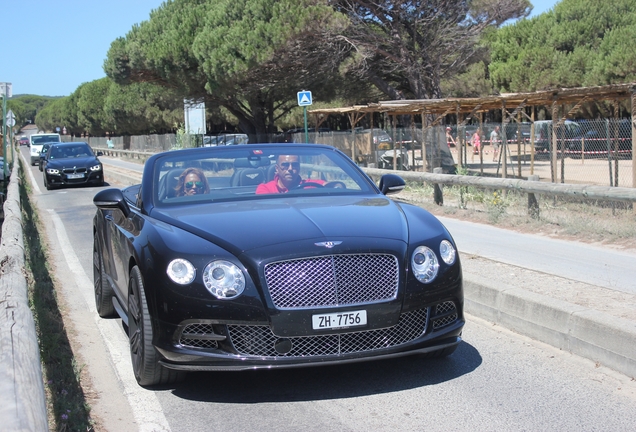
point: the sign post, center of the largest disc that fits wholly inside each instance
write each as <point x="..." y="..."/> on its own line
<point x="5" y="91"/>
<point x="11" y="123"/>
<point x="304" y="100"/>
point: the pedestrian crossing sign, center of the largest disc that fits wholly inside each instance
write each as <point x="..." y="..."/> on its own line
<point x="304" y="98"/>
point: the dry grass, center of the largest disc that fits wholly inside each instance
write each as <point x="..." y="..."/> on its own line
<point x="598" y="222"/>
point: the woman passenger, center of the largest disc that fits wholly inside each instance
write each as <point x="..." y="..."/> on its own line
<point x="192" y="181"/>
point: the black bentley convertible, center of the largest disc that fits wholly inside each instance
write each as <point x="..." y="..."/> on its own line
<point x="271" y="256"/>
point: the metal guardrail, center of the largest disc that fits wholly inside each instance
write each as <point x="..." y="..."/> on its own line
<point x="23" y="404"/>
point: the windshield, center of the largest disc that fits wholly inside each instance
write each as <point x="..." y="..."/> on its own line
<point x="41" y="139"/>
<point x="65" y="151"/>
<point x="253" y="172"/>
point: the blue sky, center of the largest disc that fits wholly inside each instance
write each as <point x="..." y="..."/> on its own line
<point x="51" y="47"/>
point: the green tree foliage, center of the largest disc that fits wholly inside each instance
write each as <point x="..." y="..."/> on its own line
<point x="407" y="48"/>
<point x="26" y="107"/>
<point x="60" y="113"/>
<point x="91" y="98"/>
<point x="142" y="108"/>
<point x="578" y="43"/>
<point x="248" y="56"/>
<point x="102" y="106"/>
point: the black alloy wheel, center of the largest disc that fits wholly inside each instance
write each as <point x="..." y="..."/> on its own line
<point x="103" y="291"/>
<point x="144" y="356"/>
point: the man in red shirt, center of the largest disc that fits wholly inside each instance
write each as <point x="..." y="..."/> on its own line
<point x="287" y="176"/>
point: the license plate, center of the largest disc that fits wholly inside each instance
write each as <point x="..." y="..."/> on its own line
<point x="339" y="320"/>
<point x="74" y="176"/>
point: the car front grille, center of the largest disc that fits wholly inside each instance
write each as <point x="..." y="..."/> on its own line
<point x="74" y="170"/>
<point x="260" y="341"/>
<point x="332" y="280"/>
<point x="445" y="314"/>
<point x="198" y="336"/>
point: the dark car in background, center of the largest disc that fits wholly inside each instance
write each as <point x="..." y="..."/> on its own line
<point x="24" y="140"/>
<point x="45" y="149"/>
<point x="71" y="163"/>
<point x="327" y="272"/>
<point x="601" y="135"/>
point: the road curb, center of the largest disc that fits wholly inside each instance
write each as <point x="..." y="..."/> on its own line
<point x="595" y="335"/>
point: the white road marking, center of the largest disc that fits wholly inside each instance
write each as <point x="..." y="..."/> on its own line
<point x="144" y="403"/>
<point x="34" y="184"/>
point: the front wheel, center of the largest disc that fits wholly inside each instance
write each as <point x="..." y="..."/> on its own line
<point x="103" y="291"/>
<point x="144" y="356"/>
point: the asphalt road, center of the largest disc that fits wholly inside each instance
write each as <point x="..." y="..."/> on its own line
<point x="496" y="380"/>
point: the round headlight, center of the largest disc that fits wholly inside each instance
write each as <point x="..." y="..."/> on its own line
<point x="223" y="279"/>
<point x="425" y="264"/>
<point x="447" y="252"/>
<point x="181" y="271"/>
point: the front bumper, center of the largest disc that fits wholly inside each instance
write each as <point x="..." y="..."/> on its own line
<point x="62" y="179"/>
<point x="199" y="345"/>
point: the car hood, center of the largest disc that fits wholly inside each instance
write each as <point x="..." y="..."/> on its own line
<point x="82" y="162"/>
<point x="246" y="225"/>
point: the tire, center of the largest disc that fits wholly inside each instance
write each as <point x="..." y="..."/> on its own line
<point x="144" y="356"/>
<point x="46" y="184"/>
<point x="103" y="291"/>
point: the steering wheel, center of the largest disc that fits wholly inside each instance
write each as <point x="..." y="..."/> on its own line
<point x="336" y="185"/>
<point x="309" y="184"/>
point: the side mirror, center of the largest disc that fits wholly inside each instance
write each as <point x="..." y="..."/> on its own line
<point x="111" y="199"/>
<point x="391" y="183"/>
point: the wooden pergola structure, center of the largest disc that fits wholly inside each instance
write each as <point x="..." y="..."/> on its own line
<point x="512" y="106"/>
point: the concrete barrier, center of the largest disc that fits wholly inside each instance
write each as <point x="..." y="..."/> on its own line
<point x="23" y="406"/>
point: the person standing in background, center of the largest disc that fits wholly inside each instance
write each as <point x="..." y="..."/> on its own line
<point x="475" y="141"/>
<point x="494" y="142"/>
<point x="449" y="138"/>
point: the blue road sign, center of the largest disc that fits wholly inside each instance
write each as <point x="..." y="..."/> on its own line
<point x="304" y="98"/>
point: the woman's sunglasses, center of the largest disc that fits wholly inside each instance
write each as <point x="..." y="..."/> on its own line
<point x="196" y="184"/>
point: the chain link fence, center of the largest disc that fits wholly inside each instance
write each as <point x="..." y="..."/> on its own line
<point x="586" y="152"/>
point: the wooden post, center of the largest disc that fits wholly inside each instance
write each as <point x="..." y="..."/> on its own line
<point x="633" y="100"/>
<point x="533" y="205"/>
<point x="459" y="144"/>
<point x="481" y="146"/>
<point x="616" y="140"/>
<point x="532" y="142"/>
<point x="553" y="146"/>
<point x="424" y="132"/>
<point x="438" y="195"/>
<point x="519" y="144"/>
<point x="504" y="141"/>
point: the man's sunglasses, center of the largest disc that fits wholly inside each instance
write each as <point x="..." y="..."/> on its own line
<point x="196" y="184"/>
<point x="286" y="165"/>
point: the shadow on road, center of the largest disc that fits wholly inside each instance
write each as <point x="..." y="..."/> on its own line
<point x="329" y="382"/>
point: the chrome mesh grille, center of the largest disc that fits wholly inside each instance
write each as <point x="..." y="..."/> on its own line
<point x="260" y="341"/>
<point x="332" y="280"/>
<point x="447" y="313"/>
<point x="193" y="336"/>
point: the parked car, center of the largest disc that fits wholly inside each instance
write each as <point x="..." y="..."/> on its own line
<point x="72" y="163"/>
<point x="2" y="177"/>
<point x="333" y="271"/>
<point x="567" y="136"/>
<point x="603" y="134"/>
<point x="36" y="141"/>
<point x="24" y="140"/>
<point x="225" y="139"/>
